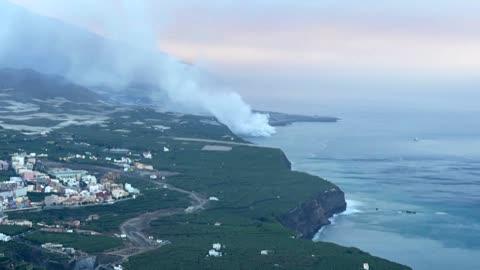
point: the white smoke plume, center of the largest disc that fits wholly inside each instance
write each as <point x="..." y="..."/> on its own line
<point x="186" y="91"/>
<point x="127" y="53"/>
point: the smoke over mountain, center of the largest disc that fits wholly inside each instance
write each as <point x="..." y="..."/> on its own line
<point x="126" y="54"/>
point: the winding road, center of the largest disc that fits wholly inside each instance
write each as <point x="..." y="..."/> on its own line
<point x="134" y="228"/>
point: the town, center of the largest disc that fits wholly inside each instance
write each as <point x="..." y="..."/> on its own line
<point x="61" y="186"/>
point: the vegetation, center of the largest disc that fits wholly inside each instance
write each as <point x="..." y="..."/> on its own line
<point x="243" y="240"/>
<point x="13" y="229"/>
<point x="23" y="256"/>
<point x="39" y="196"/>
<point x="5" y="175"/>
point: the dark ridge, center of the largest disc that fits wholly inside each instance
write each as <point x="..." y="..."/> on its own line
<point x="27" y="84"/>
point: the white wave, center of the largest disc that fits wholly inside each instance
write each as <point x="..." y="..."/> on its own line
<point x="441" y="213"/>
<point x="316" y="237"/>
<point x="352" y="207"/>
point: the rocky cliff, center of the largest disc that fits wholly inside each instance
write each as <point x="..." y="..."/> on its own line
<point x="311" y="215"/>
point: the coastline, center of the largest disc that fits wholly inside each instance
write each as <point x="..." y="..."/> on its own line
<point x="350" y="210"/>
<point x="378" y="165"/>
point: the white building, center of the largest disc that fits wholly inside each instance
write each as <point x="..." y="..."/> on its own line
<point x="96" y="188"/>
<point x="21" y="192"/>
<point x="18" y="160"/>
<point x="52" y="246"/>
<point x="89" y="179"/>
<point x="131" y="189"/>
<point x="119" y="193"/>
<point x="4" y="237"/>
<point x="69" y="192"/>
<point x="123" y="160"/>
<point x="84" y="193"/>
<point x="71" y="182"/>
<point x="147" y="155"/>
<point x="64" y="174"/>
<point x="217" y="246"/>
<point x="17" y="180"/>
<point x="214" y="253"/>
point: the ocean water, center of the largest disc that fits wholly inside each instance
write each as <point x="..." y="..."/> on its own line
<point x="428" y="164"/>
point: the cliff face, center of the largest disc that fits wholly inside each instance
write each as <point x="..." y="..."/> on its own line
<point x="311" y="215"/>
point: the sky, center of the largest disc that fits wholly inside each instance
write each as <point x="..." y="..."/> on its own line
<point x="308" y="56"/>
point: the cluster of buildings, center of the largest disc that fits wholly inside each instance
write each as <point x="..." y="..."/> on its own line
<point x="77" y="187"/>
<point x="216" y="250"/>
<point x="58" y="248"/>
<point x="13" y="193"/>
<point x="87" y="155"/>
<point x="17" y="222"/>
<point x="69" y="187"/>
<point x="67" y="226"/>
<point x="128" y="164"/>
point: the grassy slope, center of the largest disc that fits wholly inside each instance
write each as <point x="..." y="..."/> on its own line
<point x="13" y="230"/>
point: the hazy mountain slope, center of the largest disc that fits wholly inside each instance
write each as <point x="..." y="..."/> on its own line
<point x="32" y="41"/>
<point x="28" y="84"/>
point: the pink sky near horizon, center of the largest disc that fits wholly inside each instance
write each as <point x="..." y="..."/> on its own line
<point x="296" y="41"/>
<point x="246" y="39"/>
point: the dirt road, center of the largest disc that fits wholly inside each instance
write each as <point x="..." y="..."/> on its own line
<point x="134" y="228"/>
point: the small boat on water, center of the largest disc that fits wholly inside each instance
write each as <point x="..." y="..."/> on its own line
<point x="416" y="139"/>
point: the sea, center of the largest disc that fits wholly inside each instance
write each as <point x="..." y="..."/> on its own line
<point x="411" y="179"/>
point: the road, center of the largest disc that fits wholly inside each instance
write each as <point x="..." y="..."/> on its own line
<point x="135" y="228"/>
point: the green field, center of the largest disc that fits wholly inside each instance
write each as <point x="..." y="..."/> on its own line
<point x="5" y="175"/>
<point x="13" y="229"/>
<point x="192" y="237"/>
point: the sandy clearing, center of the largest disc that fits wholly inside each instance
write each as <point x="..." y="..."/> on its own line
<point x="220" y="148"/>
